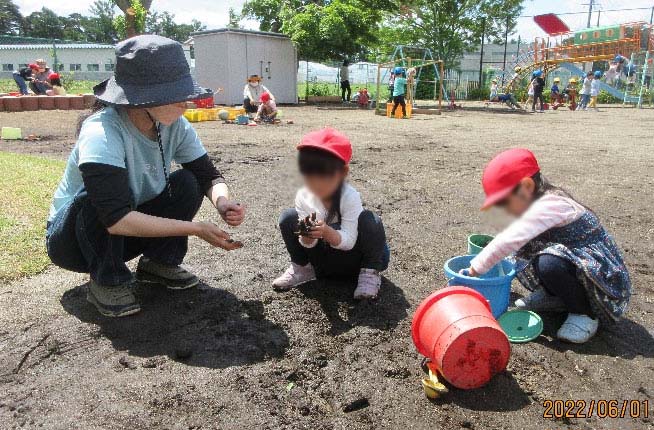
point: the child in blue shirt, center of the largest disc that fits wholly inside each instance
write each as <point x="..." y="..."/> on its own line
<point x="399" y="92"/>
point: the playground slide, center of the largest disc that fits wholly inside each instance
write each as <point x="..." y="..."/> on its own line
<point x="603" y="85"/>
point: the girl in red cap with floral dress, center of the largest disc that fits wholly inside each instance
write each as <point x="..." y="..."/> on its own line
<point x="345" y="240"/>
<point x="563" y="253"/>
<point x="267" y="111"/>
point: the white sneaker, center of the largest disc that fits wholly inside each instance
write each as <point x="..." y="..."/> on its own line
<point x="368" y="285"/>
<point x="540" y="300"/>
<point x="578" y="329"/>
<point x="295" y="275"/>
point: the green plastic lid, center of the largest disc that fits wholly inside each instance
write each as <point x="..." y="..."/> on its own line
<point x="521" y="326"/>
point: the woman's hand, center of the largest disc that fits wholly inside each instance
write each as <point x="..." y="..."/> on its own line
<point x="325" y="232"/>
<point x="211" y="234"/>
<point x="232" y="213"/>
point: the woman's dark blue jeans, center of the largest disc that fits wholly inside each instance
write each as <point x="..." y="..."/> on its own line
<point x="370" y="251"/>
<point x="77" y="240"/>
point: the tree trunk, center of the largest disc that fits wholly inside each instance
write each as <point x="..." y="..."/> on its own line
<point x="130" y="16"/>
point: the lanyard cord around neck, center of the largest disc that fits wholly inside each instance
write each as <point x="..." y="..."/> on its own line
<point x="157" y="127"/>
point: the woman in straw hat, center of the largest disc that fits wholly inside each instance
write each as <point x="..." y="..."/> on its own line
<point x="118" y="198"/>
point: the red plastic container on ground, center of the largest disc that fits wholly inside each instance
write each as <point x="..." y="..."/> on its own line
<point x="12" y="104"/>
<point x="29" y="103"/>
<point x="204" y="103"/>
<point x="46" y="102"/>
<point x="61" y="102"/>
<point x="454" y="328"/>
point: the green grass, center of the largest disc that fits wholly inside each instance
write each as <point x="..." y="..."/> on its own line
<point x="27" y="185"/>
<point x="73" y="87"/>
<point x="333" y="89"/>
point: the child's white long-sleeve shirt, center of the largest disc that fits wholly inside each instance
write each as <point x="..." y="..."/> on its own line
<point x="595" y="88"/>
<point x="351" y="207"/>
<point x="547" y="212"/>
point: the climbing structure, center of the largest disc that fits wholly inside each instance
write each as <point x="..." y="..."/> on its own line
<point x="634" y="41"/>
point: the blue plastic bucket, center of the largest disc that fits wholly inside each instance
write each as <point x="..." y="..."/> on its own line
<point x="495" y="285"/>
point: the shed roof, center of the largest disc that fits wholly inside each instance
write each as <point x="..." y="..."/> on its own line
<point x="240" y="30"/>
<point x="58" y="46"/>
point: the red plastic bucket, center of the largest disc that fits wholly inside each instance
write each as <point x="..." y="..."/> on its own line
<point x="454" y="327"/>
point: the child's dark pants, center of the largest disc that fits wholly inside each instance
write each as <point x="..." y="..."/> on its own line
<point x="77" y="240"/>
<point x="399" y="100"/>
<point x="369" y="252"/>
<point x="559" y="277"/>
<point x="538" y="97"/>
<point x="249" y="106"/>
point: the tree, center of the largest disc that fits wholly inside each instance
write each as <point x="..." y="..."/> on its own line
<point x="234" y="19"/>
<point x="44" y="23"/>
<point x="450" y="27"/>
<point x="100" y="25"/>
<point x="322" y="29"/>
<point x="10" y="17"/>
<point x="133" y="20"/>
<point x="163" y="24"/>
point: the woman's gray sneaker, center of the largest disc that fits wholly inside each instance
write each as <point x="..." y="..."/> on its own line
<point x="114" y="301"/>
<point x="173" y="277"/>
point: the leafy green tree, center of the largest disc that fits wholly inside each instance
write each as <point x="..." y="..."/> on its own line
<point x="10" y="17"/>
<point x="44" y="23"/>
<point x="234" y="19"/>
<point x="322" y="29"/>
<point x="133" y="20"/>
<point x="163" y="24"/>
<point x="450" y="27"/>
<point x="100" y="25"/>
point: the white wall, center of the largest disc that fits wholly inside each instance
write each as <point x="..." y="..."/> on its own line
<point x="83" y="56"/>
<point x="226" y="59"/>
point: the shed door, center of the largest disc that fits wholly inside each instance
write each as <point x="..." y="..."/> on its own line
<point x="258" y="59"/>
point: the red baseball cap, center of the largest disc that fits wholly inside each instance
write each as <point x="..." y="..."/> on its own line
<point x="265" y="97"/>
<point x="329" y="140"/>
<point x="54" y="76"/>
<point x="505" y="172"/>
<point x="33" y="66"/>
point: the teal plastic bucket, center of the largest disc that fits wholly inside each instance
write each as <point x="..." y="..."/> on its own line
<point x="477" y="242"/>
<point x="495" y="285"/>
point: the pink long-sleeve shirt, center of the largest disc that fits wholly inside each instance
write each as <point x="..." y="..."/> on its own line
<point x="547" y="212"/>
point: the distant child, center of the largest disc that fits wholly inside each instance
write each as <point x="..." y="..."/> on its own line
<point x="493" y="90"/>
<point x="363" y="98"/>
<point x="563" y="253"/>
<point x="57" y="87"/>
<point x="571" y="92"/>
<point x="539" y="87"/>
<point x="585" y="91"/>
<point x="346" y="240"/>
<point x="530" y="95"/>
<point x="391" y="86"/>
<point x="267" y="111"/>
<point x="555" y="93"/>
<point x="399" y="92"/>
<point x="595" y="90"/>
<point x="23" y="76"/>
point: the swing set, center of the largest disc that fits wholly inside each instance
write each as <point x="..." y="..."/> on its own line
<point x="414" y="68"/>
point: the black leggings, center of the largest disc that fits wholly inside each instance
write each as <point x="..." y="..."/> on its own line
<point x="539" y="97"/>
<point x="399" y="100"/>
<point x="346" y="88"/>
<point x="559" y="277"/>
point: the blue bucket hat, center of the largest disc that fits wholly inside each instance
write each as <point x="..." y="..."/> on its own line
<point x="150" y="71"/>
<point x="398" y="70"/>
<point x="598" y="74"/>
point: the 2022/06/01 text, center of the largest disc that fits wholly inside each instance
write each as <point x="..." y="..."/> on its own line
<point x="603" y="408"/>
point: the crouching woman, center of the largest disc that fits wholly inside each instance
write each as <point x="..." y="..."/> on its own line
<point x="118" y="198"/>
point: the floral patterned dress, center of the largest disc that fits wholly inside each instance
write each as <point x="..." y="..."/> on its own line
<point x="600" y="265"/>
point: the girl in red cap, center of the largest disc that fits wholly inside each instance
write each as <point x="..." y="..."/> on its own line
<point x="563" y="253"/>
<point x="345" y="240"/>
<point x="267" y="111"/>
<point x="57" y="86"/>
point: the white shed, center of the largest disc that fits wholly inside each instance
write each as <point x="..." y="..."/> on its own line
<point x="225" y="58"/>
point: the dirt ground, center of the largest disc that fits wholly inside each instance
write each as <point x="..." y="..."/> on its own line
<point x="235" y="355"/>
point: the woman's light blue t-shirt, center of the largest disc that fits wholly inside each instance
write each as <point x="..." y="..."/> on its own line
<point x="109" y="137"/>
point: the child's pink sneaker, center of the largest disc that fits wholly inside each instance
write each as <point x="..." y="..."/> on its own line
<point x="368" y="285"/>
<point x="295" y="275"/>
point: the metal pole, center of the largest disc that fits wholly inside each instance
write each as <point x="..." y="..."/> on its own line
<point x="506" y="46"/>
<point x="440" y="93"/>
<point x="306" y="85"/>
<point x="481" y="56"/>
<point x="590" y="12"/>
<point x="378" y="95"/>
<point x="651" y="17"/>
<point x="599" y="14"/>
<point x="642" y="81"/>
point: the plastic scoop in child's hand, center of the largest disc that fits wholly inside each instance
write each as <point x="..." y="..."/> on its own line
<point x="464" y="272"/>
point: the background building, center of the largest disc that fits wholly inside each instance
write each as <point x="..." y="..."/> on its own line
<point x="85" y="61"/>
<point x="225" y="58"/>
